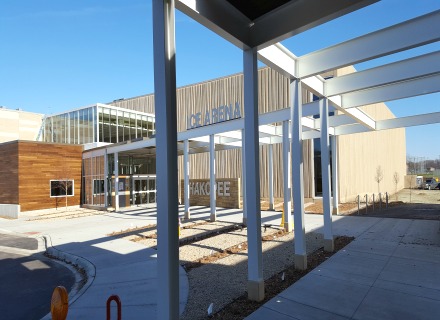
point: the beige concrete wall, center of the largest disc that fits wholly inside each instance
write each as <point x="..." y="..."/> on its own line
<point x="361" y="154"/>
<point x="19" y="125"/>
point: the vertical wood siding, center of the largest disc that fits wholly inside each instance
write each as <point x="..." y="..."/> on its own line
<point x="358" y="154"/>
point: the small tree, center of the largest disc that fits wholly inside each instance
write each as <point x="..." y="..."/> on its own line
<point x="378" y="177"/>
<point x="66" y="186"/>
<point x="396" y="179"/>
<point x="409" y="181"/>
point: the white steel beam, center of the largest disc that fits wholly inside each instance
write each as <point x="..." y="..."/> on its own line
<point x="166" y="170"/>
<point x="335" y="177"/>
<point x="350" y="129"/>
<point x="252" y="197"/>
<point x="297" y="17"/>
<point x="287" y="194"/>
<point x="212" y="191"/>
<point x="315" y="84"/>
<point x="417" y="120"/>
<point x="270" y="169"/>
<point x="325" y="167"/>
<point x="297" y="175"/>
<point x="339" y="120"/>
<point x="280" y="59"/>
<point x="243" y="178"/>
<point x="116" y="173"/>
<point x="360" y="116"/>
<point x="313" y="134"/>
<point x="106" y="204"/>
<point x="186" y="178"/>
<point x="231" y="125"/>
<point x="416" y="67"/>
<point x="220" y="17"/>
<point x="395" y="91"/>
<point x="130" y="146"/>
<point x="417" y="32"/>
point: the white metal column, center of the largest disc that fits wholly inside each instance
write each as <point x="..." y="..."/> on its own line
<point x="325" y="167"/>
<point x="166" y="155"/>
<point x="243" y="178"/>
<point x="287" y="206"/>
<point x="298" y="175"/>
<point x="105" y="179"/>
<point x="186" y="178"/>
<point x="116" y="161"/>
<point x="335" y="192"/>
<point x="212" y="190"/>
<point x="252" y="182"/>
<point x="270" y="168"/>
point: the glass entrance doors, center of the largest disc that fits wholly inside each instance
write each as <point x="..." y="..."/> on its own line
<point x="144" y="189"/>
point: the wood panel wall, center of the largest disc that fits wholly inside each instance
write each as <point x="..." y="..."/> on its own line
<point x="38" y="163"/>
<point x="9" y="173"/>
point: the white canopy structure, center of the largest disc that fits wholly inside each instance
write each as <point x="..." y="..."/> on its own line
<point x="257" y="27"/>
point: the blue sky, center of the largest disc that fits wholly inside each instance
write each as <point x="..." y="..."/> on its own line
<point x="58" y="55"/>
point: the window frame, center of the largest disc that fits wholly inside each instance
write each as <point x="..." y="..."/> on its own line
<point x="63" y="195"/>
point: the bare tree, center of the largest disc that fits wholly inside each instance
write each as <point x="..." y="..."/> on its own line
<point x="409" y="180"/>
<point x="64" y="184"/>
<point x="396" y="179"/>
<point x="378" y="177"/>
<point x="66" y="187"/>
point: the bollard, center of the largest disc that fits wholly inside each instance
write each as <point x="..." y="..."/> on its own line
<point x="118" y="305"/>
<point x="59" y="304"/>
<point x="366" y="203"/>
<point x="359" y="203"/>
<point x="282" y="217"/>
<point x="380" y="201"/>
<point x="373" y="202"/>
<point x="386" y="197"/>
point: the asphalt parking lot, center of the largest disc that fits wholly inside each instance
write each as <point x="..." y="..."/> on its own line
<point x="28" y="278"/>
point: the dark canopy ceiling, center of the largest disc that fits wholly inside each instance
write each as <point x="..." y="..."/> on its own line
<point x="254" y="9"/>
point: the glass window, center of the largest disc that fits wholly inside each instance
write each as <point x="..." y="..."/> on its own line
<point x="61" y="188"/>
<point x="132" y="126"/>
<point x="113" y="126"/>
<point x="120" y="126"/>
<point x="98" y="186"/>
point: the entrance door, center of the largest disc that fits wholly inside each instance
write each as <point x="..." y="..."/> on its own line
<point x="144" y="189"/>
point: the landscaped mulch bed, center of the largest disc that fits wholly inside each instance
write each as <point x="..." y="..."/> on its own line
<point x="242" y="307"/>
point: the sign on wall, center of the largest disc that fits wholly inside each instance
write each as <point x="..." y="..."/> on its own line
<point x="227" y="192"/>
<point x="215" y="115"/>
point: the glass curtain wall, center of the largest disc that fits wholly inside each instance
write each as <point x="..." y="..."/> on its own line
<point x="130" y="167"/>
<point x="93" y="181"/>
<point x="98" y="124"/>
<point x="75" y="127"/>
<point x="118" y="126"/>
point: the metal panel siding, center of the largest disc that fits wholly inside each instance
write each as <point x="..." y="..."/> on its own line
<point x="357" y="154"/>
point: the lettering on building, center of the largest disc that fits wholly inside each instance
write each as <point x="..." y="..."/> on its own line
<point x="203" y="188"/>
<point x="215" y="115"/>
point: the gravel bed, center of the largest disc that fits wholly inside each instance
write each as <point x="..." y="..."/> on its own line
<point x="226" y="279"/>
<point x="206" y="247"/>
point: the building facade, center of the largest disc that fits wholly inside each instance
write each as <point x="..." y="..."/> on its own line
<point x="104" y="175"/>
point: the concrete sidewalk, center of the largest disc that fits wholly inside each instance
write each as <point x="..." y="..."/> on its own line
<point x="113" y="266"/>
<point x="391" y="271"/>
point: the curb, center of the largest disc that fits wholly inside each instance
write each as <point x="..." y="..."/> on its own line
<point x="73" y="263"/>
